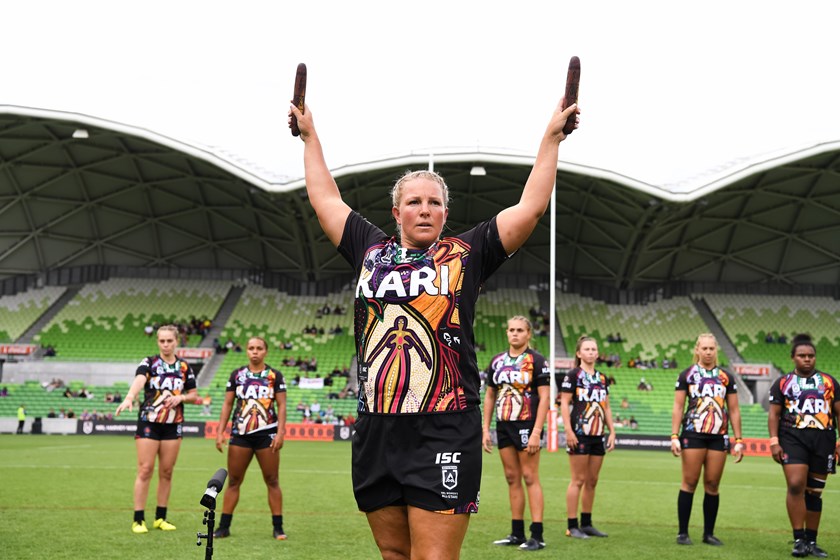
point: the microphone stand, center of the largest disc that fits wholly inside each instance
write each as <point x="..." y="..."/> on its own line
<point x="210" y="521"/>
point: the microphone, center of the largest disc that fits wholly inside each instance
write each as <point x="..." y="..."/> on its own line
<point x="208" y="500"/>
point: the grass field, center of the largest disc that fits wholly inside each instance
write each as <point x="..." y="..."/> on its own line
<point x="70" y="497"/>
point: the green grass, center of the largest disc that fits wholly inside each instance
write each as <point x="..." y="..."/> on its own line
<point x="70" y="497"/>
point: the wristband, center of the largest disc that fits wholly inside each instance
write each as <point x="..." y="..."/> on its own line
<point x="774" y="441"/>
<point x="675" y="436"/>
<point x="738" y="440"/>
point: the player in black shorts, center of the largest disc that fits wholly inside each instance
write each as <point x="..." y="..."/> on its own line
<point x="518" y="391"/>
<point x="417" y="446"/>
<point x="585" y="408"/>
<point x="258" y="429"/>
<point x="167" y="383"/>
<point x="803" y="407"/>
<point x="705" y="403"/>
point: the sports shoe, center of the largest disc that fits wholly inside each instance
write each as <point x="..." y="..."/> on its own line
<point x="163" y="525"/>
<point x="576" y="533"/>
<point x="279" y="535"/>
<point x="814" y="550"/>
<point x="712" y="540"/>
<point x="221" y="533"/>
<point x="800" y="548"/>
<point x="139" y="527"/>
<point x="592" y="531"/>
<point x="683" y="538"/>
<point x="510" y="540"/>
<point x="532" y="544"/>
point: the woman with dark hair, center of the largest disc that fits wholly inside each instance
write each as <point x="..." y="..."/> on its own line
<point x="518" y="391"/>
<point x="585" y="408"/>
<point x="803" y="407"/>
<point x="705" y="403"/>
<point x="258" y="429"/>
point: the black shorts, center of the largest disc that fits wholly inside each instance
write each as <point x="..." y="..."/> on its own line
<point x="157" y="431"/>
<point x="429" y="461"/>
<point x="711" y="442"/>
<point x="255" y="441"/>
<point x="588" y="445"/>
<point x="515" y="433"/>
<point x="808" y="446"/>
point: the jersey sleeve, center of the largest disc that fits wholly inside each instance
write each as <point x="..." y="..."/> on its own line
<point x="359" y="234"/>
<point x="231" y="384"/>
<point x="189" y="378"/>
<point x="776" y="396"/>
<point x="567" y="385"/>
<point x="279" y="382"/>
<point x="731" y="383"/>
<point x="542" y="373"/>
<point x="144" y="367"/>
<point x="682" y="381"/>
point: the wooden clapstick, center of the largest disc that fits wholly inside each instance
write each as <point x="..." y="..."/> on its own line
<point x="299" y="96"/>
<point x="572" y="83"/>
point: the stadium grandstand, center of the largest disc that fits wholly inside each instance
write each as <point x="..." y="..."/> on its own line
<point x="108" y="229"/>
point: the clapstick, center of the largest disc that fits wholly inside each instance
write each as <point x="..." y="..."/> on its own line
<point x="300" y="94"/>
<point x="572" y="83"/>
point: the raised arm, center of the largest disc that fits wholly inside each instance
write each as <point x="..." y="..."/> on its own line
<point x="517" y="222"/>
<point x="324" y="195"/>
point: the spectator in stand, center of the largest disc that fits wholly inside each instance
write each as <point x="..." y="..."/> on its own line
<point x="21" y="416"/>
<point x="4" y="392"/>
<point x="49" y="352"/>
<point x="634" y="425"/>
<point x="52" y="413"/>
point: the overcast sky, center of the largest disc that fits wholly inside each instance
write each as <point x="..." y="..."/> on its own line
<point x="668" y="89"/>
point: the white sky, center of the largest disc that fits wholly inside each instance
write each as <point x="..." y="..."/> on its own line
<point x="669" y="89"/>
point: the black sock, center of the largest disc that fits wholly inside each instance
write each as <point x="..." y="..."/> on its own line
<point x="226" y="520"/>
<point x="139" y="516"/>
<point x="710" y="511"/>
<point x="798" y="534"/>
<point x="810" y="535"/>
<point x="160" y="512"/>
<point x="572" y="523"/>
<point x="277" y="521"/>
<point x="517" y="528"/>
<point x="585" y="519"/>
<point x="536" y="529"/>
<point x="684" y="502"/>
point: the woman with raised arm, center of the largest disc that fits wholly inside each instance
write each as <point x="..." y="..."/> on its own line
<point x="167" y="383"/>
<point x="705" y="403"/>
<point x="417" y="447"/>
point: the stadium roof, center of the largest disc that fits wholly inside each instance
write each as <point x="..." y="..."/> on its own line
<point x="78" y="191"/>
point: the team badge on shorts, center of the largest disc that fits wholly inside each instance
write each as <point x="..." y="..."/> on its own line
<point x="449" y="474"/>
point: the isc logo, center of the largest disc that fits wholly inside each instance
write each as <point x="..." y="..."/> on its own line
<point x="447" y="458"/>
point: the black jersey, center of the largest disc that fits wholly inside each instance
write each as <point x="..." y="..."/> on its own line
<point x="516" y="380"/>
<point x="255" y="396"/>
<point x="706" y="390"/>
<point x="414" y="314"/>
<point x="807" y="402"/>
<point x="589" y="398"/>
<point x="164" y="380"/>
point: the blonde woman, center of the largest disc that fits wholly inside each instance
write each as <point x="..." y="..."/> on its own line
<point x="167" y="383"/>
<point x="705" y="403"/>
<point x="585" y="408"/>
<point x="518" y="392"/>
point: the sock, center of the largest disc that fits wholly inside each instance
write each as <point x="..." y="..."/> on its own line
<point x="710" y="511"/>
<point x="798" y="534"/>
<point x="139" y="516"/>
<point x="585" y="519"/>
<point x="684" y="502"/>
<point x="226" y="520"/>
<point x="536" y="529"/>
<point x="810" y="535"/>
<point x="517" y="528"/>
<point x="277" y="521"/>
<point x="572" y="523"/>
<point x="160" y="512"/>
